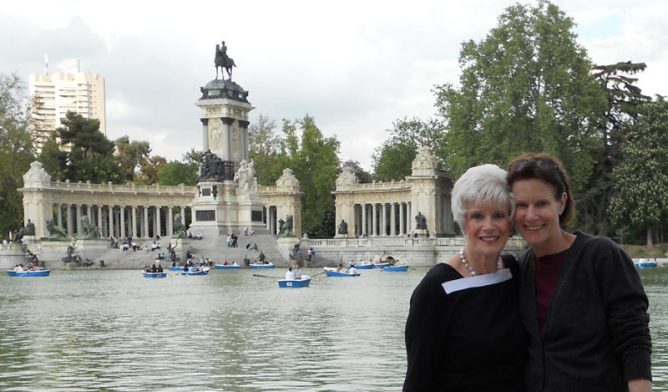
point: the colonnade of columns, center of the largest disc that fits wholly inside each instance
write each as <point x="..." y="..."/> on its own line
<point x="382" y="219"/>
<point x="119" y="221"/>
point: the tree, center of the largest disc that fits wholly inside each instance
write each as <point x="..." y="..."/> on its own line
<point x="148" y="174"/>
<point x="393" y="160"/>
<point x="175" y="173"/>
<point x="641" y="179"/>
<point x="15" y="151"/>
<point x="53" y="159"/>
<point x="624" y="99"/>
<point x="131" y="157"/>
<point x="312" y="157"/>
<point x="525" y="87"/>
<point x="362" y="175"/>
<point x="314" y="160"/>
<point x="88" y="153"/>
<point x="185" y="172"/>
<point x="266" y="150"/>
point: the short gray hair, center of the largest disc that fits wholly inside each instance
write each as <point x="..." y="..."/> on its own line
<point x="480" y="183"/>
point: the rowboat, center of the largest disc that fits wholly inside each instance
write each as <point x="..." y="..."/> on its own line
<point x="381" y="265"/>
<point x="155" y="275"/>
<point x="365" y="266"/>
<point x="332" y="272"/>
<point x="261" y="266"/>
<point x="396" y="268"/>
<point x="227" y="266"/>
<point x="28" y="274"/>
<point x="645" y="263"/>
<point x="190" y="272"/>
<point x="305" y="281"/>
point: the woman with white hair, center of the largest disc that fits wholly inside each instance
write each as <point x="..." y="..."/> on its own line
<point x="463" y="331"/>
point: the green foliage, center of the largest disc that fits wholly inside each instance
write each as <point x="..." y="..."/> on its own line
<point x="394" y="158"/>
<point x="175" y="173"/>
<point x="312" y="157"/>
<point x="148" y="175"/>
<point x="315" y="163"/>
<point x="525" y="87"/>
<point x="53" y="159"/>
<point x="641" y="179"/>
<point x="623" y="98"/>
<point x="131" y="158"/>
<point x="88" y="154"/>
<point x="15" y="151"/>
<point x="267" y="151"/>
<point x="362" y="175"/>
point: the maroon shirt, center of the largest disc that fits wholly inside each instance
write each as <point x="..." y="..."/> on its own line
<point x="548" y="271"/>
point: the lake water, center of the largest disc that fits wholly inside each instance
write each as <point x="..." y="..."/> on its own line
<point x="229" y="331"/>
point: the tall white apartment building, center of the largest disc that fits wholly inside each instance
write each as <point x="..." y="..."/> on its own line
<point x="53" y="95"/>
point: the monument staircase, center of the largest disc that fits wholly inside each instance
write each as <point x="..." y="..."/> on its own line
<point x="215" y="247"/>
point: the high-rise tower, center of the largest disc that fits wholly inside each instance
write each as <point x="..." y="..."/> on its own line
<point x="53" y="95"/>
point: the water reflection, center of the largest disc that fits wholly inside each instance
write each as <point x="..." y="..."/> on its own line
<point x="114" y="330"/>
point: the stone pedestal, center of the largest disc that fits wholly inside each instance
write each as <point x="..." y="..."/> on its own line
<point x="285" y="245"/>
<point x="91" y="249"/>
<point x="10" y="255"/>
<point x="421" y="233"/>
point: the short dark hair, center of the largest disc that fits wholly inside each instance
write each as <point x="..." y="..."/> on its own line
<point x="549" y="169"/>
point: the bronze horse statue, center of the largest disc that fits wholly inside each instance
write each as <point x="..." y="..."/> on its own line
<point x="223" y="61"/>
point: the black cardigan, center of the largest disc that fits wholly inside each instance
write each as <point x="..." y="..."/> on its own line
<point x="467" y="340"/>
<point x="596" y="334"/>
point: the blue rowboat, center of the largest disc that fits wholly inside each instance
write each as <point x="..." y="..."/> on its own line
<point x="381" y="265"/>
<point x="642" y="263"/>
<point x="190" y="272"/>
<point x="28" y="274"/>
<point x="228" y="266"/>
<point x="155" y="275"/>
<point x="332" y="272"/>
<point x="305" y="281"/>
<point x="365" y="266"/>
<point x="396" y="268"/>
<point x="261" y="266"/>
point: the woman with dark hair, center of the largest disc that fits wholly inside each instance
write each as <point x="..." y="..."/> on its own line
<point x="582" y="302"/>
<point x="463" y="331"/>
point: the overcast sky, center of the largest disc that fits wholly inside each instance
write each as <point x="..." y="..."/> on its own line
<point x="355" y="66"/>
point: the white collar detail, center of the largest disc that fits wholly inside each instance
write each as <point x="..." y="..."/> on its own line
<point x="499" y="276"/>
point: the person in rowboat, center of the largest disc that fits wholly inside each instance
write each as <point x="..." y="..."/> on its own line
<point x="582" y="301"/>
<point x="463" y="331"/>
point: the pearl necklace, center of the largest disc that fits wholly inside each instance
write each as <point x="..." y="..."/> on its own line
<point x="462" y="258"/>
<point x="468" y="267"/>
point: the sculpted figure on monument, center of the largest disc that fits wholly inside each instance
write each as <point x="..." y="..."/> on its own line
<point x="420" y="221"/>
<point x="90" y="231"/>
<point x="242" y="177"/>
<point x="179" y="228"/>
<point x="29" y="228"/>
<point x="343" y="227"/>
<point x="212" y="167"/>
<point x="223" y="61"/>
<point x="54" y="230"/>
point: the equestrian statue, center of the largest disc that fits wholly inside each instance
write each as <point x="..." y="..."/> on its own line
<point x="223" y="61"/>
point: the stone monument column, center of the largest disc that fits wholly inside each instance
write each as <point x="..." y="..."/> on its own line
<point x="429" y="185"/>
<point x="36" y="205"/>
